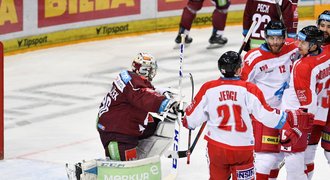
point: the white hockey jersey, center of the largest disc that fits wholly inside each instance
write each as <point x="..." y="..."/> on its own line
<point x="270" y="72"/>
<point x="309" y="86"/>
<point x="226" y="105"/>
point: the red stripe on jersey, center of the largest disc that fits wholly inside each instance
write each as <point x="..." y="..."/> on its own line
<point x="226" y="146"/>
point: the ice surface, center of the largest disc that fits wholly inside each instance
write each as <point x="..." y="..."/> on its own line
<point x="52" y="98"/>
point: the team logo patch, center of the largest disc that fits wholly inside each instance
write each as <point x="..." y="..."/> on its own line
<point x="119" y="84"/>
<point x="125" y="76"/>
<point x="301" y="95"/>
<point x="326" y="137"/>
<point x="270" y="139"/>
<point x="130" y="154"/>
<point x="245" y="174"/>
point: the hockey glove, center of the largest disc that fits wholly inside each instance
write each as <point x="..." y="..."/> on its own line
<point x="299" y="119"/>
<point x="169" y="93"/>
<point x="291" y="137"/>
<point x="172" y="110"/>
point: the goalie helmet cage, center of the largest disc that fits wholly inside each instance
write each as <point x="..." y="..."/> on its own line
<point x="1" y="103"/>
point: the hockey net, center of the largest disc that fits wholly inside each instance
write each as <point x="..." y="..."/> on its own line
<point x="1" y="102"/>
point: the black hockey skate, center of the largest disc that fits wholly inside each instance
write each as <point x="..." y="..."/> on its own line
<point x="187" y="41"/>
<point x="216" y="41"/>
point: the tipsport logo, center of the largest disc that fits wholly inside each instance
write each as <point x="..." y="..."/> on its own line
<point x="112" y="30"/>
<point x="203" y="20"/>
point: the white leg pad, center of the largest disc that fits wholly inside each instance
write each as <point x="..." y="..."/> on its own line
<point x="152" y="146"/>
<point x="165" y="129"/>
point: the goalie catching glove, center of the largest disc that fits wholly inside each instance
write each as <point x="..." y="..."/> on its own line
<point x="296" y="121"/>
<point x="169" y="93"/>
<point x="172" y="110"/>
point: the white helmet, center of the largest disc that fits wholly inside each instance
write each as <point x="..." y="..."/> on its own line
<point x="145" y="65"/>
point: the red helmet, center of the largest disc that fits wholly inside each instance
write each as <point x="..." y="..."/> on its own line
<point x="145" y="65"/>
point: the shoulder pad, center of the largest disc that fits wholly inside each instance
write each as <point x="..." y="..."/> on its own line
<point x="252" y="56"/>
<point x="125" y="76"/>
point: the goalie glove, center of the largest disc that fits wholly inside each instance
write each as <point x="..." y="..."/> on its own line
<point x="291" y="137"/>
<point x="169" y="93"/>
<point x="173" y="109"/>
<point x="299" y="119"/>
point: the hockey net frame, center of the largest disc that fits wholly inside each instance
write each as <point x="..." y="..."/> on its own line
<point x="1" y="102"/>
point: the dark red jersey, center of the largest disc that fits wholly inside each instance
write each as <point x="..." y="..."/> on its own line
<point x="125" y="108"/>
<point x="263" y="11"/>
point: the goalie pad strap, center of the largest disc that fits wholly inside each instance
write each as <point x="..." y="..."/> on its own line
<point x="114" y="150"/>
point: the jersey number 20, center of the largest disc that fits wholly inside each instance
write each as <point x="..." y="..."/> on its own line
<point x="224" y="112"/>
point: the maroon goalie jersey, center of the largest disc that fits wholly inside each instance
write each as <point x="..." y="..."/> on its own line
<point x="125" y="108"/>
<point x="263" y="11"/>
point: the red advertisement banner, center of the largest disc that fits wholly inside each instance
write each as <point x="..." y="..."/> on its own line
<point x="11" y="16"/>
<point x="56" y="12"/>
<point x="166" y="5"/>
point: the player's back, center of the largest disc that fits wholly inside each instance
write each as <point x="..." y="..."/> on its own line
<point x="228" y="103"/>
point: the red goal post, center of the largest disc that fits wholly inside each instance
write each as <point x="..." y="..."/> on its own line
<point x="1" y="102"/>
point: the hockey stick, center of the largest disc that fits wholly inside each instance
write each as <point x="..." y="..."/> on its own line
<point x="247" y="37"/>
<point x="182" y="154"/>
<point x="189" y="135"/>
<point x="176" y="137"/>
<point x="279" y="11"/>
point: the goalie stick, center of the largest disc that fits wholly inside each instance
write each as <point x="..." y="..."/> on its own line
<point x="176" y="137"/>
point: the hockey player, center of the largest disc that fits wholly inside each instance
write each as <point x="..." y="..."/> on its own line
<point x="263" y="11"/>
<point x="323" y="23"/>
<point x="319" y="130"/>
<point x="124" y="118"/>
<point x="226" y="104"/>
<point x="269" y="68"/>
<point x="308" y="90"/>
<point x="219" y="18"/>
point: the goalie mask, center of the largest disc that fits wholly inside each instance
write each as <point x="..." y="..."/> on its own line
<point x="145" y="65"/>
<point x="229" y="63"/>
